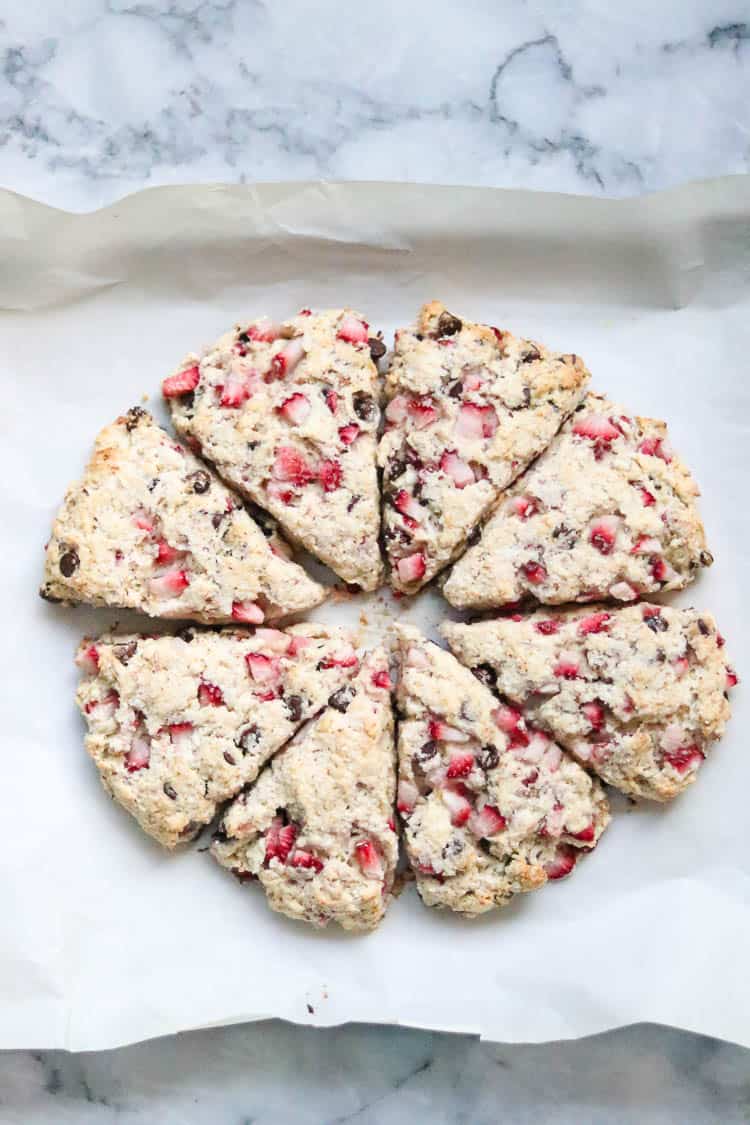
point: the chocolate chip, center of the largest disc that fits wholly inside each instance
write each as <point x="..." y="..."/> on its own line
<point x="200" y="481"/>
<point x="488" y="757"/>
<point x="486" y="674"/>
<point x="44" y="593"/>
<point x="170" y="791"/>
<point x="220" y="835"/>
<point x="294" y="706"/>
<point x="427" y="750"/>
<point x="125" y="653"/>
<point x="396" y="468"/>
<point x="187" y="401"/>
<point x="216" y="519"/>
<point x="454" y="846"/>
<point x="656" y="623"/>
<point x="448" y="324"/>
<point x="529" y="356"/>
<point x="247" y="738"/>
<point x="474" y="537"/>
<point x="243" y="876"/>
<point x="456" y="389"/>
<point x="413" y="458"/>
<point x="69" y="563"/>
<point x="243" y="338"/>
<point x="152" y="484"/>
<point x="703" y="627"/>
<point x="661" y="656"/>
<point x="341" y="699"/>
<point x="364" y="405"/>
<point x="353" y="502"/>
<point x="133" y="417"/>
<point x="186" y="635"/>
<point x="706" y="558"/>
<point x="527" y="396"/>
<point x="228" y="758"/>
<point x="377" y="348"/>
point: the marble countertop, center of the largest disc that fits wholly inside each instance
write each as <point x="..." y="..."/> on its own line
<point x="99" y="98"/>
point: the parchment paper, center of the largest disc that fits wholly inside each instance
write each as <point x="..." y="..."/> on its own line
<point x="104" y="938"/>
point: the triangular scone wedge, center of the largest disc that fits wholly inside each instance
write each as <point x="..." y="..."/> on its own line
<point x="179" y="724"/>
<point x="288" y="413"/>
<point x="608" y="511"/>
<point x="470" y="407"/>
<point x="637" y="694"/>
<point x="150" y="527"/>
<point x="317" y="828"/>
<point x="488" y="812"/>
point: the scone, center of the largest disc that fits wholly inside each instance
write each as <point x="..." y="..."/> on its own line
<point x="149" y="527"/>
<point x="317" y="828"/>
<point x="176" y="725"/>
<point x="470" y="407"/>
<point x="636" y="693"/>
<point x="288" y="414"/>
<point x="609" y="511"/>
<point x="489" y="809"/>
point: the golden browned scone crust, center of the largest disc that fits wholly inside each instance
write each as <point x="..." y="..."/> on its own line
<point x="638" y="694"/>
<point x="608" y="511"/>
<point x="470" y="407"/>
<point x="288" y="412"/>
<point x="488" y="811"/>
<point x="317" y="828"/>
<point x="176" y="725"/>
<point x="150" y="527"/>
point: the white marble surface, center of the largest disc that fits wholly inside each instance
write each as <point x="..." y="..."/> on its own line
<point x="102" y="97"/>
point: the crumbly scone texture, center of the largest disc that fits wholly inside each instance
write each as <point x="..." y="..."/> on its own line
<point x="317" y="827"/>
<point x="638" y="694"/>
<point x="470" y="406"/>
<point x="178" y="724"/>
<point x="488" y="810"/>
<point x="150" y="527"/>
<point x="288" y="413"/>
<point x="607" y="512"/>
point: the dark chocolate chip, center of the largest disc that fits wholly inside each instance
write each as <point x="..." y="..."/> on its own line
<point x="377" y="348"/>
<point x="170" y="791"/>
<point x="247" y="738"/>
<point x="133" y="417"/>
<point x="448" y="324"/>
<point x="661" y="656"/>
<point x="706" y="558"/>
<point x="44" y="593"/>
<point x="216" y="519"/>
<point x="200" y="481"/>
<point x="427" y="750"/>
<point x="187" y="401"/>
<point x="186" y="635"/>
<point x="69" y="563"/>
<point x="125" y="653"/>
<point x="353" y="502"/>
<point x="703" y="627"/>
<point x="220" y="835"/>
<point x="529" y="356"/>
<point x="294" y="706"/>
<point x="228" y="758"/>
<point x="454" y="846"/>
<point x="527" y="396"/>
<point x="488" y="757"/>
<point x="486" y="674"/>
<point x="656" y="623"/>
<point x="341" y="699"/>
<point x="152" y="484"/>
<point x="364" y="405"/>
<point x="396" y="468"/>
<point x="243" y="338"/>
<point x="474" y="537"/>
<point x="456" y="389"/>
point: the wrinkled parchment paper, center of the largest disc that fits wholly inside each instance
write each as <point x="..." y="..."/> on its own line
<point x="104" y="938"/>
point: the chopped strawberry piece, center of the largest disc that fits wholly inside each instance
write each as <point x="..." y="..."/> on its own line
<point x="353" y="330"/>
<point x="680" y="665"/>
<point x="567" y="667"/>
<point x="285" y="361"/>
<point x="177" y="731"/>
<point x="599" y="430"/>
<point x="412" y="568"/>
<point x="108" y="703"/>
<point x="381" y="679"/>
<point x="391" y="824"/>
<point x="476" y="421"/>
<point x="603" y="534"/>
<point x="305" y="312"/>
<point x="547" y="628"/>
<point x="296" y="644"/>
<point x="329" y="475"/>
<point x="659" y="569"/>
<point x="507" y="718"/>
<point x="291" y="466"/>
<point x="442" y="732"/>
<point x="655" y="447"/>
<point x="368" y="859"/>
<point x="181" y="383"/>
<point x="408" y="505"/>
<point x="645" y="545"/>
<point x="460" y="765"/>
<point x="294" y="409"/>
<point x="306" y="860"/>
<point x="407" y="796"/>
<point x="166" y="554"/>
<point x="594" y="712"/>
<point x="143" y="521"/>
<point x="396" y="409"/>
<point x="623" y="592"/>
<point x="88" y="660"/>
<point x="563" y="863"/>
<point x="263" y="669"/>
<point x="594" y="623"/>
<point x="647" y="497"/>
<point x="720" y="642"/>
<point x="273" y="639"/>
<point x="535" y="572"/>
<point x="472" y="381"/>
<point x="586" y="834"/>
<point x="267" y="696"/>
<point x="348" y="434"/>
<point x="487" y="822"/>
<point x="422" y="410"/>
<point x="209" y="695"/>
<point x="499" y="334"/>
<point x="264" y="331"/>
<point x="523" y="506"/>
<point x="346" y="657"/>
<point x="683" y="758"/>
<point x="139" y="754"/>
<point x="248" y="612"/>
<point x="283" y="494"/>
<point x="170" y="584"/>
<point x="732" y="678"/>
<point x="280" y="840"/>
<point x="458" y="806"/>
<point x="236" y="390"/>
<point x="460" y="473"/>
<point x="332" y="399"/>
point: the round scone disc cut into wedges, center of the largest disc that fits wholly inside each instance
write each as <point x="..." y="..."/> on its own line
<point x="608" y="511"/>
<point x="316" y="829"/>
<point x="150" y="527"/>
<point x="469" y="408"/>
<point x="176" y="725"/>
<point x="288" y="413"/>
<point x="637" y="693"/>
<point x="491" y="806"/>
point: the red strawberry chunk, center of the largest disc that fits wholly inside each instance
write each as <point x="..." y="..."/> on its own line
<point x="659" y="569"/>
<point x="732" y="678"/>
<point x="460" y="765"/>
<point x="594" y="712"/>
<point x="720" y="642"/>
<point x="170" y="584"/>
<point x="139" y="755"/>
<point x="353" y="330"/>
<point x="291" y="466"/>
<point x="507" y="718"/>
<point x="329" y="475"/>
<point x="109" y="702"/>
<point x="248" y="612"/>
<point x="368" y="859"/>
<point x="460" y="473"/>
<point x="603" y="534"/>
<point x="264" y="331"/>
<point x="476" y="421"/>
<point x="296" y="644"/>
<point x="263" y="669"/>
<point x="645" y="545"/>
<point x="306" y="860"/>
<point x="272" y="640"/>
<point x="422" y="410"/>
<point x="443" y="732"/>
<point x="396" y="409"/>
<point x="567" y="667"/>
<point x="594" y="623"/>
<point x="488" y="821"/>
<point x="647" y="497"/>
<point x="535" y="572"/>
<point x="285" y="361"/>
<point x="280" y="840"/>
<point x="408" y="505"/>
<point x="209" y="695"/>
<point x="143" y="520"/>
<point x="181" y="383"/>
<point x="458" y="805"/>
<point x="88" y="660"/>
<point x="655" y="447"/>
<point x="563" y="863"/>
<point x="683" y="758"/>
<point x="332" y="400"/>
<point x="178" y="731"/>
<point x="680" y="665"/>
<point x="407" y="796"/>
<point x="412" y="568"/>
<point x="166" y="554"/>
<point x="346" y="657"/>
<point x="523" y="506"/>
<point x="586" y="834"/>
<point x="547" y="628"/>
<point x="349" y="434"/>
<point x="381" y="679"/>
<point x="235" y="390"/>
<point x="294" y="409"/>
<point x="599" y="430"/>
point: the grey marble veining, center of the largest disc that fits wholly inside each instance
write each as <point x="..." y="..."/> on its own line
<point x="102" y="97"/>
